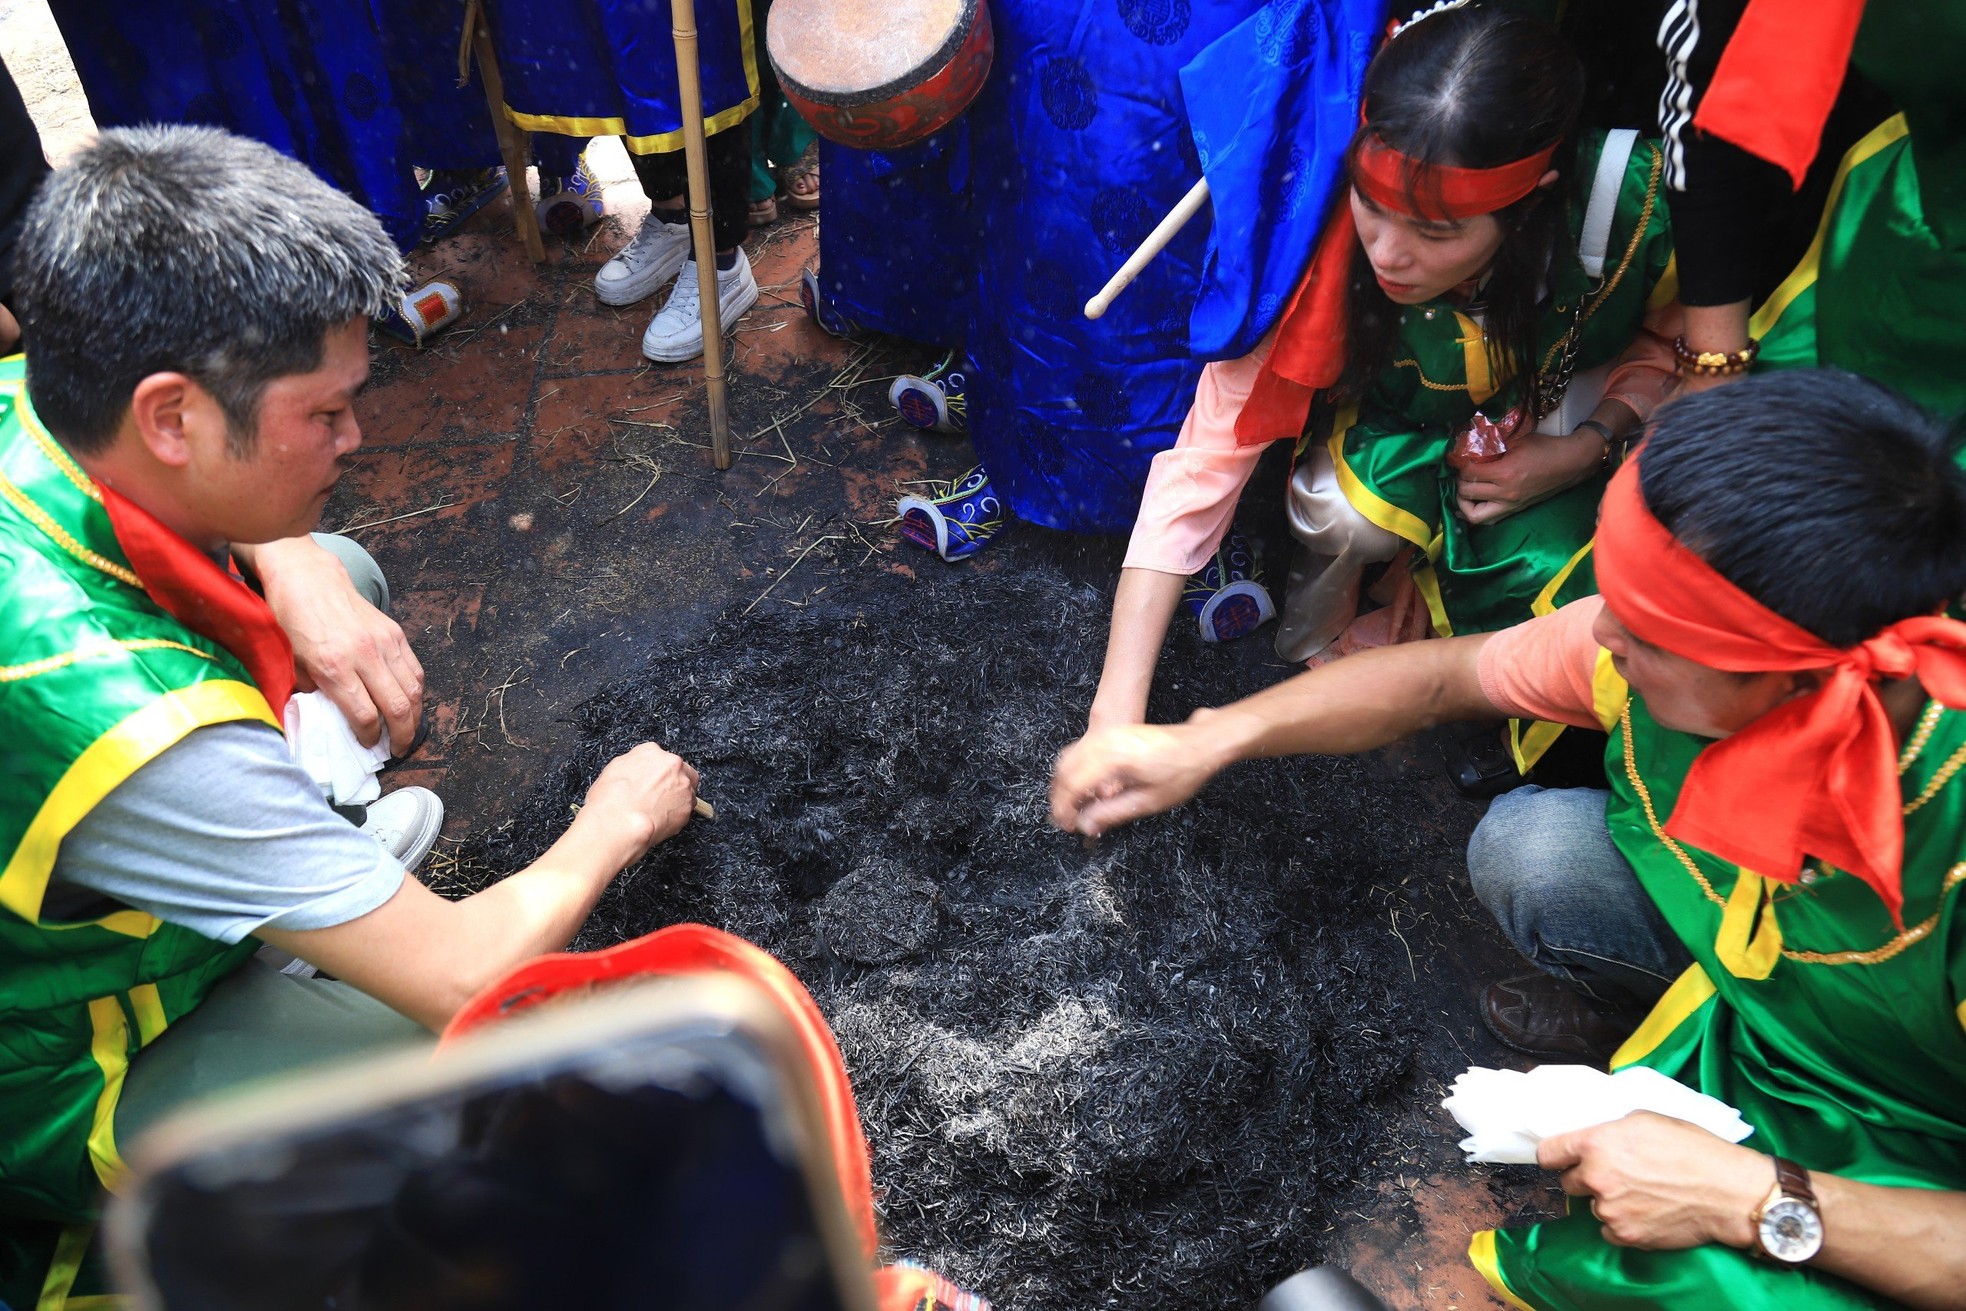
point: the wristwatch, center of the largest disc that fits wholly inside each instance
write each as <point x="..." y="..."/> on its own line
<point x="1787" y="1225"/>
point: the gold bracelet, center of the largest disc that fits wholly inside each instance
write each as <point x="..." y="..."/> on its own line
<point x="1715" y="364"/>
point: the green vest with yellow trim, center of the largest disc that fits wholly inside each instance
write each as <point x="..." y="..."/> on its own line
<point x="1840" y="1036"/>
<point x="95" y="680"/>
<point x="1390" y="450"/>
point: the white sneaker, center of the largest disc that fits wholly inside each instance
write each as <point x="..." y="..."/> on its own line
<point x="406" y="823"/>
<point x="644" y="264"/>
<point x="675" y="334"/>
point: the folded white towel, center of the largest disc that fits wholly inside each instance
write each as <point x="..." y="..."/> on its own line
<point x="326" y="747"/>
<point x="1507" y="1112"/>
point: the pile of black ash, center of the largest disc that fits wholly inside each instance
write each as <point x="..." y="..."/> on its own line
<point x="1142" y="1074"/>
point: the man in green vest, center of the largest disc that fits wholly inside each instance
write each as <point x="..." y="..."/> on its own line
<point x="196" y="311"/>
<point x="1774" y="870"/>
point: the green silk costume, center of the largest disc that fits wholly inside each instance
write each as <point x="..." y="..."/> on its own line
<point x="1390" y="451"/>
<point x="1839" y="1036"/>
<point x="95" y="681"/>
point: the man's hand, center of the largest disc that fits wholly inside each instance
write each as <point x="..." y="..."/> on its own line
<point x="643" y="797"/>
<point x="1538" y="466"/>
<point x="343" y="646"/>
<point x="1660" y="1183"/>
<point x="1113" y="776"/>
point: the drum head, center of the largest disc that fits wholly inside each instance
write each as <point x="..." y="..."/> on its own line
<point x="845" y="50"/>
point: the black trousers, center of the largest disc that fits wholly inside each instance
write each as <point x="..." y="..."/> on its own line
<point x="664" y="177"/>
<point x="22" y="166"/>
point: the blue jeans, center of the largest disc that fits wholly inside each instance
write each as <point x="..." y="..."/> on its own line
<point x="1543" y="863"/>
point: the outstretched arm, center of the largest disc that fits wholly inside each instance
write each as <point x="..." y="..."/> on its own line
<point x="1113" y="776"/>
<point x="1663" y="1184"/>
<point x="1142" y="606"/>
<point x="426" y="956"/>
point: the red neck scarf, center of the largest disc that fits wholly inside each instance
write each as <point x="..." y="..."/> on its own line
<point x="1777" y="79"/>
<point x="1815" y="776"/>
<point x="189" y="586"/>
<point x="1308" y="352"/>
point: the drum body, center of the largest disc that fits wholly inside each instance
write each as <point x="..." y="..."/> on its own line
<point x="877" y="74"/>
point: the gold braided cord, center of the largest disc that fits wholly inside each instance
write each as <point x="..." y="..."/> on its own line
<point x="1427" y="382"/>
<point x="1631" y="253"/>
<point x="48" y="664"/>
<point x="1927" y="722"/>
<point x="52" y="449"/>
<point x="1940" y="777"/>
<point x="42" y="520"/>
<point x="1876" y="955"/>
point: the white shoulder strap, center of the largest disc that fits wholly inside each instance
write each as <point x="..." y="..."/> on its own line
<point x="1595" y="240"/>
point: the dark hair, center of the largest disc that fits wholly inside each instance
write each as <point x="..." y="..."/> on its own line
<point x="1473" y="88"/>
<point x="191" y="250"/>
<point x="1830" y="499"/>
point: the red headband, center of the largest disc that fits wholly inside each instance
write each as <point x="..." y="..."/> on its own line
<point x="1814" y="776"/>
<point x="1392" y="181"/>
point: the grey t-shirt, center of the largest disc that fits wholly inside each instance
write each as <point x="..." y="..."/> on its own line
<point x="222" y="834"/>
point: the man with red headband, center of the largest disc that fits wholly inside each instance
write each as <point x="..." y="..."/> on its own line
<point x="1773" y="868"/>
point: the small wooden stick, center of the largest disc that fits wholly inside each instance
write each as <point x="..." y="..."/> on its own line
<point x="705" y="809"/>
<point x="1177" y="218"/>
<point x="696" y="158"/>
<point x="514" y="145"/>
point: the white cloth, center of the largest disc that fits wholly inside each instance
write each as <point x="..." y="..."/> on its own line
<point x="326" y="747"/>
<point x="1508" y="1112"/>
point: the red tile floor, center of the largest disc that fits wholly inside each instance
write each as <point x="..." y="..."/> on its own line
<point x="545" y="504"/>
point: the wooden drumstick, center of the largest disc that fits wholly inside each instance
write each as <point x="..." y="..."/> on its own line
<point x="1177" y="218"/>
<point x="704" y="809"/>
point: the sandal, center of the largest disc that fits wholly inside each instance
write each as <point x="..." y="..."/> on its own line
<point x="763" y="213"/>
<point x="800" y="181"/>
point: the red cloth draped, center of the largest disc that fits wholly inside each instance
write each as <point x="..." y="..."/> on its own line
<point x="1815" y="776"/>
<point x="1778" y="77"/>
<point x="189" y="586"/>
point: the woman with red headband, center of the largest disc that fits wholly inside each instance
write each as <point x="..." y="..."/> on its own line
<point x="1491" y="267"/>
<point x="1775" y="870"/>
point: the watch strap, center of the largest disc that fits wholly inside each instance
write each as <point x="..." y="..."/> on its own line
<point x="1793" y="1181"/>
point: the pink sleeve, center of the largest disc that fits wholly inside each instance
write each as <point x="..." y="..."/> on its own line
<point x="1644" y="376"/>
<point x="1191" y="492"/>
<point x="1545" y="669"/>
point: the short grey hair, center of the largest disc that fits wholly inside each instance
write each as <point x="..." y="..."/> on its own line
<point x="190" y="250"/>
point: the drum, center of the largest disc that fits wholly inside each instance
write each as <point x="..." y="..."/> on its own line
<point x="878" y="74"/>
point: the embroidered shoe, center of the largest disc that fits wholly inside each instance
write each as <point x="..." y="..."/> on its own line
<point x="569" y="206"/>
<point x="933" y="401"/>
<point x="675" y="334"/>
<point x="451" y="196"/>
<point x="820" y="310"/>
<point x="1226" y="598"/>
<point x="956" y="519"/>
<point x="418" y="315"/>
<point x="651" y="259"/>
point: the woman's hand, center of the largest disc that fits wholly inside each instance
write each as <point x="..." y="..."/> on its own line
<point x="1537" y="466"/>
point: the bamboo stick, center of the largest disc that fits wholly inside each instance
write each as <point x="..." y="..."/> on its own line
<point x="696" y="158"/>
<point x="513" y="143"/>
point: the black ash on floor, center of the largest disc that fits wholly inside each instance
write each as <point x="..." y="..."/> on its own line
<point x="1137" y="1075"/>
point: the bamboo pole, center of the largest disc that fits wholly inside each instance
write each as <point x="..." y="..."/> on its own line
<point x="696" y="158"/>
<point x="513" y="143"/>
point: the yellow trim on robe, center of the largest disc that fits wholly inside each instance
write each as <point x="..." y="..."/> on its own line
<point x="61" y="537"/>
<point x="1481" y="1255"/>
<point x="1804" y="276"/>
<point x="111" y="1052"/>
<point x="63" y="1266"/>
<point x="1474" y="357"/>
<point x="660" y="143"/>
<point x="1398" y="522"/>
<point x="1609" y="691"/>
<point x="1529" y="743"/>
<point x="1962" y="1014"/>
<point x="140" y="738"/>
<point x="1427" y="580"/>
<point x="148" y="1006"/>
<point x="1666" y="291"/>
<point x="1688" y="993"/>
<point x="1749" y="941"/>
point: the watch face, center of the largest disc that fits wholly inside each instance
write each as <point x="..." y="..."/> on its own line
<point x="1791" y="1230"/>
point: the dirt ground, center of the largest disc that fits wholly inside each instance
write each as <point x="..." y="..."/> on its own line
<point x="544" y="503"/>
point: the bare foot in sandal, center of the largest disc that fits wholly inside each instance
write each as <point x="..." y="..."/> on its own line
<point x="801" y="180"/>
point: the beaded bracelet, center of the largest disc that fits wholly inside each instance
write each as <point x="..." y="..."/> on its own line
<point x="1714" y="364"/>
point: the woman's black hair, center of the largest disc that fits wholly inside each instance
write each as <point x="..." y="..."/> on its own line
<point x="1827" y="497"/>
<point x="1473" y="88"/>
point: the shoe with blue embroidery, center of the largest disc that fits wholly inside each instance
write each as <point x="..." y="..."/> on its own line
<point x="451" y="196"/>
<point x="933" y="401"/>
<point x="956" y="519"/>
<point x="1226" y="598"/>
<point x="820" y="310"/>
<point x="569" y="206"/>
